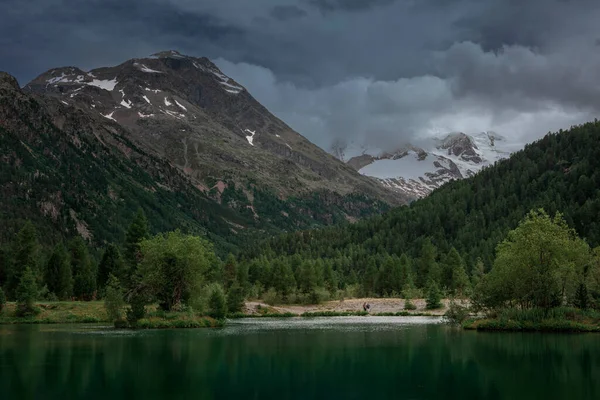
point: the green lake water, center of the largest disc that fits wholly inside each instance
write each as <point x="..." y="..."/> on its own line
<point x="346" y="358"/>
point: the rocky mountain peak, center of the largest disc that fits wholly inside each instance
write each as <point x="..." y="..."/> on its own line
<point x="205" y="123"/>
<point x="416" y="171"/>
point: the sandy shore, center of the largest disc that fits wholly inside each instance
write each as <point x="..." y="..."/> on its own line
<point x="377" y="306"/>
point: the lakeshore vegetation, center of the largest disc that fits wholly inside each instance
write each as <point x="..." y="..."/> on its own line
<point x="497" y="242"/>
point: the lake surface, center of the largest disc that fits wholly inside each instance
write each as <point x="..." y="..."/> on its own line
<point x="346" y="358"/>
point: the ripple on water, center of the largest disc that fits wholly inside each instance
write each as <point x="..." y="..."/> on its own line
<point x="356" y="323"/>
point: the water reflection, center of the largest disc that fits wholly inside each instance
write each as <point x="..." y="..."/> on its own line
<point x="301" y="359"/>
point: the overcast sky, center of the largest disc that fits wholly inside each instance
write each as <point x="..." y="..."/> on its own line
<point x="380" y="71"/>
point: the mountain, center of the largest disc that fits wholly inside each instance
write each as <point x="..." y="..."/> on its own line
<point x="415" y="171"/>
<point x="81" y="151"/>
<point x="187" y="111"/>
<point x="560" y="173"/>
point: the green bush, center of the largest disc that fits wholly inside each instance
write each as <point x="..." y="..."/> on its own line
<point x="456" y="313"/>
<point x="113" y="299"/>
<point x="409" y="305"/>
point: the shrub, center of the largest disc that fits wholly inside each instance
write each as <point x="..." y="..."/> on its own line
<point x="271" y="297"/>
<point x="113" y="299"/>
<point x="137" y="308"/>
<point x="456" y="313"/>
<point x="409" y="305"/>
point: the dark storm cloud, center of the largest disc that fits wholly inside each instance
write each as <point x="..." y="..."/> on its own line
<point x="284" y="13"/>
<point x="347" y="5"/>
<point x="387" y="70"/>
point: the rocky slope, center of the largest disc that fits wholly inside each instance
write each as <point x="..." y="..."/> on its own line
<point x="81" y="151"/>
<point x="416" y="171"/>
<point x="187" y="111"/>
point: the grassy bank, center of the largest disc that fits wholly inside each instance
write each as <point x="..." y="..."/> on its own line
<point x="561" y="319"/>
<point x="79" y="312"/>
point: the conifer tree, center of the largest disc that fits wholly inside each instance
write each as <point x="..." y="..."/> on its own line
<point x="84" y="277"/>
<point x="427" y="267"/>
<point x="433" y="296"/>
<point x="137" y="231"/>
<point x="25" y="254"/>
<point x="26" y="293"/>
<point x="2" y="299"/>
<point x="235" y="298"/>
<point x="58" y="275"/>
<point x="111" y="263"/>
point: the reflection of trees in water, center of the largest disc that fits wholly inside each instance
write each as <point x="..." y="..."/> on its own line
<point x="421" y="361"/>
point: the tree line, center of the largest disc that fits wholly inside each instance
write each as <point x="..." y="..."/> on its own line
<point x="174" y="270"/>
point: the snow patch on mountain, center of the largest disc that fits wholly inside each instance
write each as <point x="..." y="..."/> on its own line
<point x="250" y="138"/>
<point x="417" y="171"/>
<point x="104" y="84"/>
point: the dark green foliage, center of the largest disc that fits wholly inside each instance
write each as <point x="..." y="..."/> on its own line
<point x="409" y="305"/>
<point x="582" y="297"/>
<point x="84" y="276"/>
<point x="58" y="277"/>
<point x="235" y="298"/>
<point x="560" y="172"/>
<point x="282" y="277"/>
<point x="113" y="299"/>
<point x="434" y="296"/>
<point x="111" y="263"/>
<point x="26" y="293"/>
<point x="2" y="299"/>
<point x="25" y="254"/>
<point x="229" y="271"/>
<point x="137" y="307"/>
<point x="138" y="230"/>
<point x="172" y="267"/>
<point x="217" y="306"/>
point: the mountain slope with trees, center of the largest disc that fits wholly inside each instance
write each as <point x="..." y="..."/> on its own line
<point x="459" y="225"/>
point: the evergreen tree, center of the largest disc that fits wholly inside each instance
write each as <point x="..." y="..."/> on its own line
<point x="25" y="254"/>
<point x="282" y="278"/>
<point x="58" y="275"/>
<point x="111" y="263"/>
<point x="235" y="298"/>
<point x="84" y="277"/>
<point x="26" y="293"/>
<point x="229" y="272"/>
<point x="406" y="276"/>
<point x="427" y="267"/>
<point x="307" y="277"/>
<point x="137" y="231"/>
<point x="369" y="279"/>
<point x="329" y="277"/>
<point x="217" y="306"/>
<point x="433" y="296"/>
<point x="477" y="273"/>
<point x="455" y="276"/>
<point x="2" y="299"/>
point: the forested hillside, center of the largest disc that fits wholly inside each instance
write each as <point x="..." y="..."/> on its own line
<point x="560" y="173"/>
